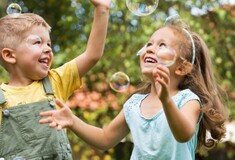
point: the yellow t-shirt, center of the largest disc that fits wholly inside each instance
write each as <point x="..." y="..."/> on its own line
<point x="64" y="80"/>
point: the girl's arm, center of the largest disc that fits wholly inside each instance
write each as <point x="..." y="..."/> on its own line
<point x="101" y="138"/>
<point x="96" y="41"/>
<point x="181" y="122"/>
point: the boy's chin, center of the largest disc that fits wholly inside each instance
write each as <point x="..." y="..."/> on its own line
<point x="40" y="77"/>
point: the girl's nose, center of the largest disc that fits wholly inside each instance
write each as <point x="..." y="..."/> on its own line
<point x="150" y="49"/>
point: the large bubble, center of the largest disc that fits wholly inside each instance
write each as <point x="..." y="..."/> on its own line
<point x="142" y="7"/>
<point x="166" y="56"/>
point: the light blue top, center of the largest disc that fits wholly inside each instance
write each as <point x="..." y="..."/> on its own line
<point x="152" y="138"/>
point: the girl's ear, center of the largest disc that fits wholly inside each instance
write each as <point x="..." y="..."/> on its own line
<point x="184" y="68"/>
<point x="8" y="55"/>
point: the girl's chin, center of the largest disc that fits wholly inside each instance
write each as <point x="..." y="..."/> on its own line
<point x="147" y="72"/>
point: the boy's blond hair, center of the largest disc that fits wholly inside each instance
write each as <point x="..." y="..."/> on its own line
<point x="14" y="26"/>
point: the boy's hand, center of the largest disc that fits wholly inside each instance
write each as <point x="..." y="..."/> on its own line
<point x="101" y="3"/>
<point x="61" y="118"/>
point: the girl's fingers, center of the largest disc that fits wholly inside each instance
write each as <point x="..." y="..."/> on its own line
<point x="164" y="76"/>
<point x="50" y="116"/>
<point x="59" y="103"/>
<point x="46" y="113"/>
<point x="59" y="127"/>
<point x="162" y="68"/>
<point x="162" y="72"/>
<point x="161" y="81"/>
<point x="155" y="73"/>
<point x="45" y="120"/>
<point x="53" y="124"/>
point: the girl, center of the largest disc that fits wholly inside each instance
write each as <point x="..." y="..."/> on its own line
<point x="170" y="116"/>
<point x="26" y="54"/>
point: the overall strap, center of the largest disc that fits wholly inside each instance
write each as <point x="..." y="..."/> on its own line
<point x="2" y="97"/>
<point x="47" y="86"/>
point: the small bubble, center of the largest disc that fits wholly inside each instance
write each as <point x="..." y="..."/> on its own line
<point x="13" y="8"/>
<point x="119" y="82"/>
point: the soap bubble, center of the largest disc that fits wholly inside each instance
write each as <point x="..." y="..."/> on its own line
<point x="166" y="56"/>
<point x="13" y="8"/>
<point x="142" y="7"/>
<point x="119" y="82"/>
<point x="141" y="50"/>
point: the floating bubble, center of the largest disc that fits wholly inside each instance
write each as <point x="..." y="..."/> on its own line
<point x="142" y="7"/>
<point x="141" y="50"/>
<point x="166" y="56"/>
<point x="119" y="82"/>
<point x="13" y="8"/>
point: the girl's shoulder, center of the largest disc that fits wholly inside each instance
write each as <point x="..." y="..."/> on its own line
<point x="183" y="96"/>
<point x="186" y="93"/>
<point x="138" y="95"/>
<point x="135" y="99"/>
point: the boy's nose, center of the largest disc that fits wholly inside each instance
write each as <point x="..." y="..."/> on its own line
<point x="47" y="49"/>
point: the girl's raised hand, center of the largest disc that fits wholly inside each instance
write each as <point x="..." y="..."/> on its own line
<point x="61" y="118"/>
<point x="161" y="77"/>
<point x="101" y="3"/>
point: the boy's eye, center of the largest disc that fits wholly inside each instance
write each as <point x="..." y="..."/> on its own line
<point x="37" y="42"/>
<point x="49" y="44"/>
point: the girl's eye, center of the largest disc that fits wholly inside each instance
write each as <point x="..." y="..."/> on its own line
<point x="148" y="44"/>
<point x="162" y="45"/>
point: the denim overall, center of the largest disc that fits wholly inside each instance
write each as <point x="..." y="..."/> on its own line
<point x="23" y="138"/>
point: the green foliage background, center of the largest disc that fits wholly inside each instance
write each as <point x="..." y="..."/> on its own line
<point x="71" y="22"/>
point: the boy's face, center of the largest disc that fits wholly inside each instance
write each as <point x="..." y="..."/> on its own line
<point x="34" y="54"/>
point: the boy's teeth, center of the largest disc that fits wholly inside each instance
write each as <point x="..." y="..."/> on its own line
<point x="43" y="61"/>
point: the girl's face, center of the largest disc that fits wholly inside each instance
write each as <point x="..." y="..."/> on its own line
<point x="163" y="37"/>
<point x="34" y="54"/>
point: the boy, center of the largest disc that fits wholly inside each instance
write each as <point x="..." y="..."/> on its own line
<point x="26" y="55"/>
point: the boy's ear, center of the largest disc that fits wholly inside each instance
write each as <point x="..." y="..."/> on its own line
<point x="184" y="68"/>
<point x="8" y="55"/>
